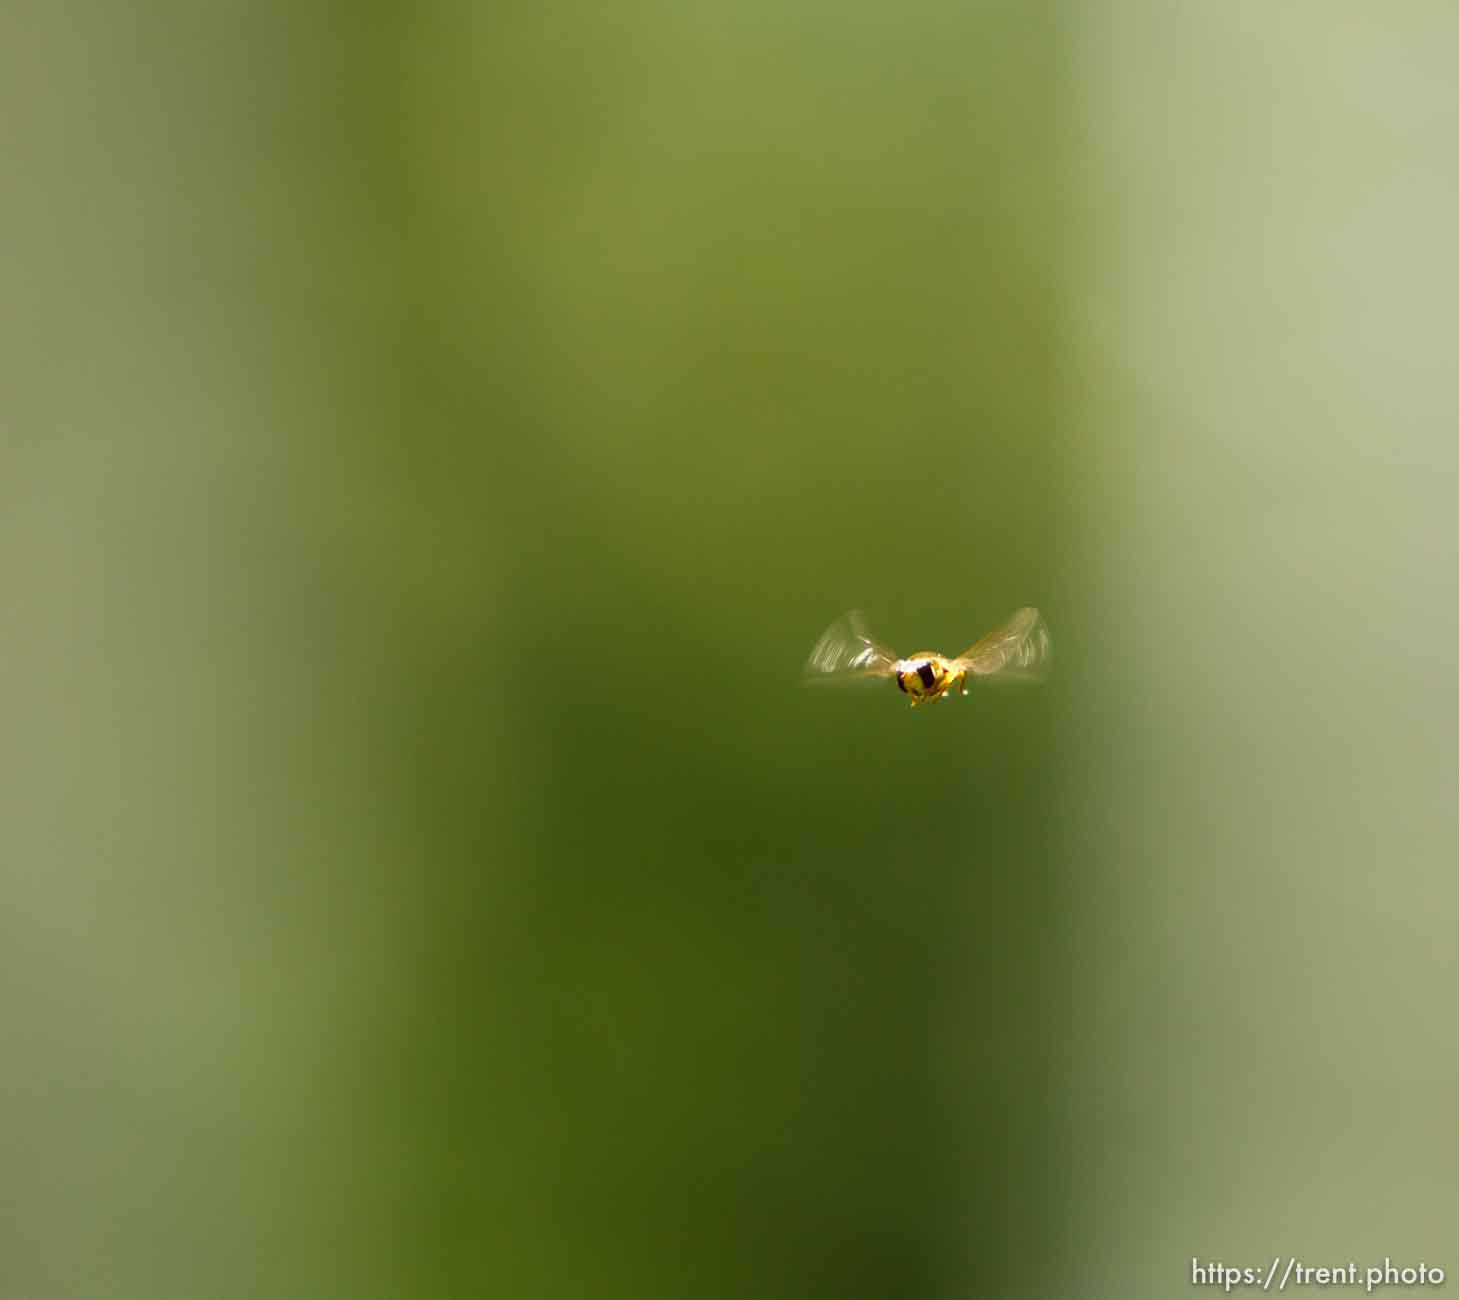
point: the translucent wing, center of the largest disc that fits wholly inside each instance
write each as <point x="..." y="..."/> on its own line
<point x="1017" y="651"/>
<point x="847" y="652"/>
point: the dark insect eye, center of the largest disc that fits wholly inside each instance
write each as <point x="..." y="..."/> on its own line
<point x="925" y="672"/>
<point x="902" y="682"/>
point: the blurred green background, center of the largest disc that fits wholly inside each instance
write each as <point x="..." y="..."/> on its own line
<point x="434" y="436"/>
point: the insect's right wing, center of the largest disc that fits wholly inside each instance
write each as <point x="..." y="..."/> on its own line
<point x="847" y="652"/>
<point x="1018" y="651"/>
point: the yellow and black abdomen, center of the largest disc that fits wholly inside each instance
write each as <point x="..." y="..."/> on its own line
<point x="923" y="676"/>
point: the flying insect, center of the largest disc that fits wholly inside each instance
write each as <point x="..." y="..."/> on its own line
<point x="1017" y="650"/>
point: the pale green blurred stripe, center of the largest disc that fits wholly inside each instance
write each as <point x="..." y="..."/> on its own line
<point x="207" y="949"/>
<point x="1266" y="1053"/>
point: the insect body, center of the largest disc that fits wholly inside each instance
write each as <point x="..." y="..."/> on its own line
<point x="1016" y="651"/>
<point x="926" y="675"/>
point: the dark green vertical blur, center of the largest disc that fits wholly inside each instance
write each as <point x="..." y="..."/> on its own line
<point x="746" y="314"/>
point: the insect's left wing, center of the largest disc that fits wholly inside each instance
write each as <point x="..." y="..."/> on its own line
<point x="847" y="652"/>
<point x="1017" y="651"/>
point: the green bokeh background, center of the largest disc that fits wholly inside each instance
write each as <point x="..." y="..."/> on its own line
<point x="433" y="438"/>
